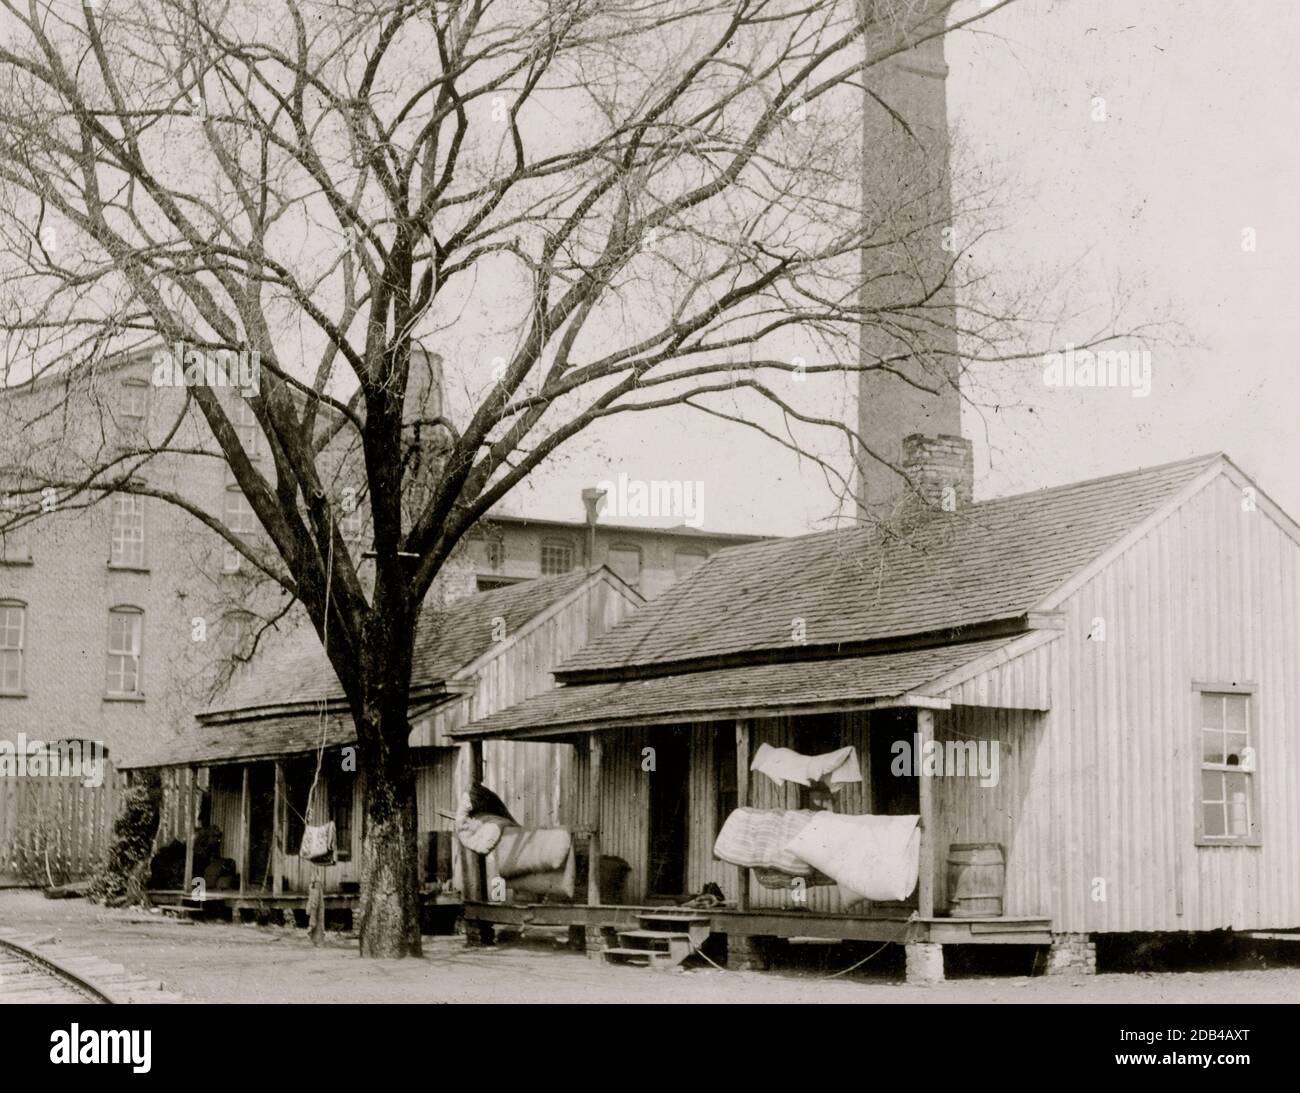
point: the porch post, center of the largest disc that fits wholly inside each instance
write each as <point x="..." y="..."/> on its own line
<point x="277" y="831"/>
<point x="593" y="846"/>
<point x="476" y="864"/>
<point x="244" y="824"/>
<point x="742" y="801"/>
<point x="925" y="882"/>
<point x="189" y="832"/>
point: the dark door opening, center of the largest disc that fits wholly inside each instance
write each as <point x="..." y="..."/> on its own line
<point x="895" y="788"/>
<point x="668" y="813"/>
<point x="261" y="807"/>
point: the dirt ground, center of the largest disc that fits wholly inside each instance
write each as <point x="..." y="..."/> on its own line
<point x="207" y="962"/>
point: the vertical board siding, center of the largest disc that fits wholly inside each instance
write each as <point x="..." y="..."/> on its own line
<point x="58" y="814"/>
<point x="1209" y="595"/>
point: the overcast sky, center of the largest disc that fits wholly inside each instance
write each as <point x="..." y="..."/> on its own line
<point x="1202" y="111"/>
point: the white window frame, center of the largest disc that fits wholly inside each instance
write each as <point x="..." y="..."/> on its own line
<point x="1247" y="769"/>
<point x="18" y="652"/>
<point x="236" y="515"/>
<point x="123" y="534"/>
<point x="555" y="544"/>
<point x="127" y="406"/>
<point x="130" y="653"/>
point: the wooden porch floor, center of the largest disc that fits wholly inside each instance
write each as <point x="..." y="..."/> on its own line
<point x="892" y="926"/>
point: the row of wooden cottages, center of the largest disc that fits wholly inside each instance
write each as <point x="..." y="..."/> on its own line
<point x="1126" y="646"/>
<point x="247" y="766"/>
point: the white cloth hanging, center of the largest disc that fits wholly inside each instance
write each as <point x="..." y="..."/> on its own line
<point x="786" y="765"/>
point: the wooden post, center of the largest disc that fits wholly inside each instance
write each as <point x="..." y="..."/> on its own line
<point x="742" y="801"/>
<point x="189" y="833"/>
<point x="925" y="881"/>
<point x="277" y="832"/>
<point x="245" y="848"/>
<point x="593" y="846"/>
<point x="476" y="864"/>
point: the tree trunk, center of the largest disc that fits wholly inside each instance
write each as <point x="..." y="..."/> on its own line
<point x="390" y="885"/>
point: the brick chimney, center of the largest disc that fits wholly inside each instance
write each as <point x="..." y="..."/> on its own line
<point x="909" y="382"/>
<point x="941" y="469"/>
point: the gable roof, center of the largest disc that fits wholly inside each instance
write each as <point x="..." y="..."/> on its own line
<point x="993" y="561"/>
<point x="447" y="640"/>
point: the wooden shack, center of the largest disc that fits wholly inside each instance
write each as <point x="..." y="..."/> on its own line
<point x="246" y="767"/>
<point x="1128" y="645"/>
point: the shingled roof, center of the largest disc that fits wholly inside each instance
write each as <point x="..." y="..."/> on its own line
<point x="729" y="692"/>
<point x="993" y="560"/>
<point x="446" y="641"/>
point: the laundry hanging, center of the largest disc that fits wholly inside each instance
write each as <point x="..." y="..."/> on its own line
<point x="786" y="765"/>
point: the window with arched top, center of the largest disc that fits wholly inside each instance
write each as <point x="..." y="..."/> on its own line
<point x="13" y="642"/>
<point x="125" y="651"/>
<point x="133" y="402"/>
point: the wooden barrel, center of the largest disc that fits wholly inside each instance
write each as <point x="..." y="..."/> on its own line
<point x="977" y="873"/>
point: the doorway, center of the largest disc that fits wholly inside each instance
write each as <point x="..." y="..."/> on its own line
<point x="261" y="809"/>
<point x="668" y="813"/>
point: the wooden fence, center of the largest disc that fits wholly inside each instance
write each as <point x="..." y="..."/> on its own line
<point x="54" y="827"/>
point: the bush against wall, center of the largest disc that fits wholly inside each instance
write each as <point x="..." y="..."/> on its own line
<point x="120" y="879"/>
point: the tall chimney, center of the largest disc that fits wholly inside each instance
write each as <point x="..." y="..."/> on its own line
<point x="906" y="202"/>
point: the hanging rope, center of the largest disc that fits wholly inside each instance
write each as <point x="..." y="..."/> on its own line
<point x="325" y="641"/>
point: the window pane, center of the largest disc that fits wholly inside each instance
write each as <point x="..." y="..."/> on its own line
<point x="1211" y="747"/>
<point x="1211" y="786"/>
<point x="1238" y="807"/>
<point x="1214" y="824"/>
<point x="626" y="562"/>
<point x="1236" y="707"/>
<point x="557" y="558"/>
<point x="1236" y="747"/>
<point x="127" y="546"/>
<point x="1211" y="711"/>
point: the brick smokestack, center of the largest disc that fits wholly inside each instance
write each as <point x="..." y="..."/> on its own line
<point x="941" y="469"/>
<point x="906" y="205"/>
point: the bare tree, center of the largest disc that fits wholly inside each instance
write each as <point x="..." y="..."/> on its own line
<point x="585" y="208"/>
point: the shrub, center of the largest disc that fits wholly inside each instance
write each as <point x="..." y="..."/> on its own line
<point x="120" y="879"/>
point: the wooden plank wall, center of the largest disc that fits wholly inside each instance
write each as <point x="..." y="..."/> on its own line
<point x="72" y="821"/>
<point x="1210" y="595"/>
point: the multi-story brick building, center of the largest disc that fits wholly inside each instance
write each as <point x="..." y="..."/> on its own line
<point x="506" y="549"/>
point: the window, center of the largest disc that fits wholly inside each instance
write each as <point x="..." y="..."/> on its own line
<point x="625" y="560"/>
<point x="133" y="402"/>
<point x="352" y="524"/>
<point x="246" y="426"/>
<point x="240" y="519"/>
<point x="557" y="557"/>
<point x="727" y="797"/>
<point x="13" y="634"/>
<point x="494" y="552"/>
<point x="1228" y="811"/>
<point x="239" y="630"/>
<point x="687" y="560"/>
<point x="13" y="546"/>
<point x="125" y="630"/>
<point x="127" y="545"/>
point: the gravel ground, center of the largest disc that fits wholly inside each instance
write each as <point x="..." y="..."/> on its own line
<point x="219" y="963"/>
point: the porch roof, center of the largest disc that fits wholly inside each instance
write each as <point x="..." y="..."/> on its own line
<point x="762" y="690"/>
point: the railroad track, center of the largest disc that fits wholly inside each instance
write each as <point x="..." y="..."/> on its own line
<point x="30" y="975"/>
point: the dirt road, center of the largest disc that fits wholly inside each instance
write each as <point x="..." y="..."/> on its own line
<point x="220" y="963"/>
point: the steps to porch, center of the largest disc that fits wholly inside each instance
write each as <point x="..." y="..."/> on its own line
<point x="665" y="939"/>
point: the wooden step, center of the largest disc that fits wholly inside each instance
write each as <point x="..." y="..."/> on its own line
<point x="676" y="918"/>
<point x="648" y="958"/>
<point x="656" y="935"/>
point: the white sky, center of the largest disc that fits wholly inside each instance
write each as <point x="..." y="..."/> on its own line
<point x="1200" y="142"/>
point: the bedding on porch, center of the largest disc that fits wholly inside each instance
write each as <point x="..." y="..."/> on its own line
<point x="872" y="857"/>
<point x="756" y="838"/>
<point x="786" y="765"/>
